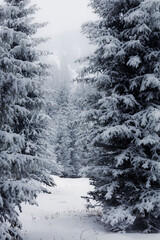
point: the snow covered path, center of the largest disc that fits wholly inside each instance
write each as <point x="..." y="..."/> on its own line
<point x="62" y="215"/>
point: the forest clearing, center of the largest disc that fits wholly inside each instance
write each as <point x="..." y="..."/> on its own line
<point x="62" y="215"/>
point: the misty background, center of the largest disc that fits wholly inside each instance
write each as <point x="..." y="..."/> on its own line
<point x="67" y="43"/>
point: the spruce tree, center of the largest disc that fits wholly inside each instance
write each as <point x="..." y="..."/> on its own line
<point x="63" y="109"/>
<point x="65" y="121"/>
<point x="124" y="114"/>
<point x="23" y="125"/>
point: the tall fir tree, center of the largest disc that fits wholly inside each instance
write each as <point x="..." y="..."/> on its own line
<point x="124" y="114"/>
<point x="65" y="122"/>
<point x="63" y="109"/>
<point x="23" y="127"/>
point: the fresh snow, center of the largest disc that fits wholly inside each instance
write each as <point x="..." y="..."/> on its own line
<point x="62" y="215"/>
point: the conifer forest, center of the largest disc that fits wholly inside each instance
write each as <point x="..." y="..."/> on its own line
<point x="80" y="120"/>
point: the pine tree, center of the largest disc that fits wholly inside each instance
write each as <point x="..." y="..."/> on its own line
<point x="83" y="146"/>
<point x="65" y="132"/>
<point x="124" y="114"/>
<point x="23" y="125"/>
<point x="63" y="111"/>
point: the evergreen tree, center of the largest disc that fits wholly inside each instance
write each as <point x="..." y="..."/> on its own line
<point x="23" y="125"/>
<point x="64" y="110"/>
<point x="65" y="133"/>
<point x="124" y="114"/>
<point x="83" y="147"/>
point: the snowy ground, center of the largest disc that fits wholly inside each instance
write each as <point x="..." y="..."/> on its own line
<point x="62" y="216"/>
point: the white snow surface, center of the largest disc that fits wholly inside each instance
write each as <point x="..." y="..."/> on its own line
<point x="62" y="215"/>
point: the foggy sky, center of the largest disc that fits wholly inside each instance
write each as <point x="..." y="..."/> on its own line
<point x="63" y="15"/>
<point x="65" y="18"/>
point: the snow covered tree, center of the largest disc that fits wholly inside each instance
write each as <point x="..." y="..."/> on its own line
<point x="64" y="108"/>
<point x="63" y="139"/>
<point x="65" y="132"/>
<point x="83" y="147"/>
<point x="23" y="125"/>
<point x="124" y="114"/>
